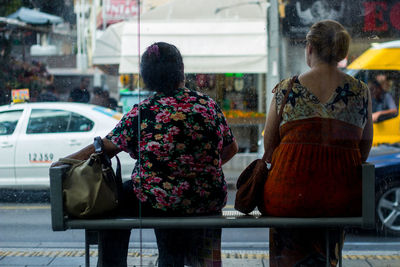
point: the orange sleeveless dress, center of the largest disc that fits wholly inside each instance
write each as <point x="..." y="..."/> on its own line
<point x="316" y="167"/>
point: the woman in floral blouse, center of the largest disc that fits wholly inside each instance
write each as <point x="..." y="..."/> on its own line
<point x="180" y="139"/>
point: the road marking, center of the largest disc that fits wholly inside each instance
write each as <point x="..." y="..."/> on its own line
<point x="136" y="254"/>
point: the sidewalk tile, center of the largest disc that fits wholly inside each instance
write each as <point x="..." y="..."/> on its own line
<point x="69" y="261"/>
<point x="355" y="263"/>
<point x="244" y="263"/>
<point x="23" y="261"/>
<point x="384" y="263"/>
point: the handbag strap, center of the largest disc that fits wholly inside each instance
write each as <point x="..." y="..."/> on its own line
<point x="70" y="161"/>
<point x="289" y="89"/>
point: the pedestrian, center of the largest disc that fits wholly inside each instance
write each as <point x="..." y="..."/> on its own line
<point x="180" y="139"/>
<point x="49" y="94"/>
<point x="81" y="94"/>
<point x="383" y="105"/>
<point x="98" y="97"/>
<point x="316" y="150"/>
<point x="111" y="102"/>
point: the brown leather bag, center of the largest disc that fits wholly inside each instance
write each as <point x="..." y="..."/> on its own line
<point x="250" y="184"/>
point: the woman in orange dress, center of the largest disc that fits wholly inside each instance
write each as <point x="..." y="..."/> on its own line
<point x="316" y="149"/>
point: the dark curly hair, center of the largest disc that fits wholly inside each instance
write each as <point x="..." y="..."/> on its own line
<point x="161" y="67"/>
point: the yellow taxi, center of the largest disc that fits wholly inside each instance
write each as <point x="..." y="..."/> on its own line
<point x="382" y="59"/>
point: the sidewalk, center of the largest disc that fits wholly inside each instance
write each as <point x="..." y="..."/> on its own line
<point x="24" y="257"/>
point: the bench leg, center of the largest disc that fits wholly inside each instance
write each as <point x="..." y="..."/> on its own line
<point x="340" y="247"/>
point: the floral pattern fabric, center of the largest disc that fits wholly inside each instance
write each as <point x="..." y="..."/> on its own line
<point x="178" y="165"/>
<point x="348" y="103"/>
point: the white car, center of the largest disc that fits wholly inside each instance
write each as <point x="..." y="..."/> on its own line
<point x="33" y="135"/>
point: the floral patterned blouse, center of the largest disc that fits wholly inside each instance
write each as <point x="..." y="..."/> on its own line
<point x="178" y="166"/>
<point x="348" y="103"/>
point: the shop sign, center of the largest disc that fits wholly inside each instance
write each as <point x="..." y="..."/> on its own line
<point x="20" y="95"/>
<point x="117" y="10"/>
<point x="363" y="18"/>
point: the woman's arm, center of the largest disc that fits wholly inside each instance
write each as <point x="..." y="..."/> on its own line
<point x="367" y="136"/>
<point x="109" y="148"/>
<point x="271" y="132"/>
<point x="228" y="152"/>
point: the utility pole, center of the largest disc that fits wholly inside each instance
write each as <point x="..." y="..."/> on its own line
<point x="273" y="50"/>
<point x="81" y="56"/>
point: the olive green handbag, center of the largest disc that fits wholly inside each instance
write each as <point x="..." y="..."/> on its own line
<point x="90" y="187"/>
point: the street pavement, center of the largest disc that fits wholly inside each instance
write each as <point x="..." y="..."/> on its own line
<point x="20" y="257"/>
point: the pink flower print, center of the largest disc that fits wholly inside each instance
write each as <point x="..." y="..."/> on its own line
<point x="174" y="130"/>
<point x="211" y="104"/>
<point x="212" y="112"/>
<point x="174" y="200"/>
<point x="172" y="164"/>
<point x="133" y="112"/>
<point x="145" y="102"/>
<point x="178" y="191"/>
<point x="155" y="108"/>
<point x="147" y="136"/>
<point x="158" y="192"/>
<point x="142" y="145"/>
<point x="200" y="109"/>
<point x="220" y="143"/>
<point x="185" y="185"/>
<point x="146" y="186"/>
<point x="168" y="138"/>
<point x="168" y="147"/>
<point x="183" y="107"/>
<point x="128" y="122"/>
<point x="140" y="195"/>
<point x="162" y="201"/>
<point x="121" y="141"/>
<point x="153" y="146"/>
<point x="186" y="159"/>
<point x="169" y="101"/>
<point x="156" y="180"/>
<point x="163" y="116"/>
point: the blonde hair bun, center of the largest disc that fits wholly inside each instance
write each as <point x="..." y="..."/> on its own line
<point x="330" y="40"/>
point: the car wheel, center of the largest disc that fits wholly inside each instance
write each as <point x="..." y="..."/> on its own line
<point x="388" y="207"/>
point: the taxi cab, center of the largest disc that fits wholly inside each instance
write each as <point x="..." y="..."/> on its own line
<point x="33" y="135"/>
<point x="382" y="59"/>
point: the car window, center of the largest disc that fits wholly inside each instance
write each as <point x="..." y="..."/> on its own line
<point x="8" y="121"/>
<point x="57" y="121"/>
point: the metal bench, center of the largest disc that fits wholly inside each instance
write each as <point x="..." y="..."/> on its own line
<point x="228" y="219"/>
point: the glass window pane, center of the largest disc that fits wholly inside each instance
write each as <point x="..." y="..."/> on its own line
<point x="48" y="121"/>
<point x="8" y="121"/>
<point x="80" y="123"/>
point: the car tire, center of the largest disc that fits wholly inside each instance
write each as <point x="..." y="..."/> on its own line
<point x="388" y="207"/>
